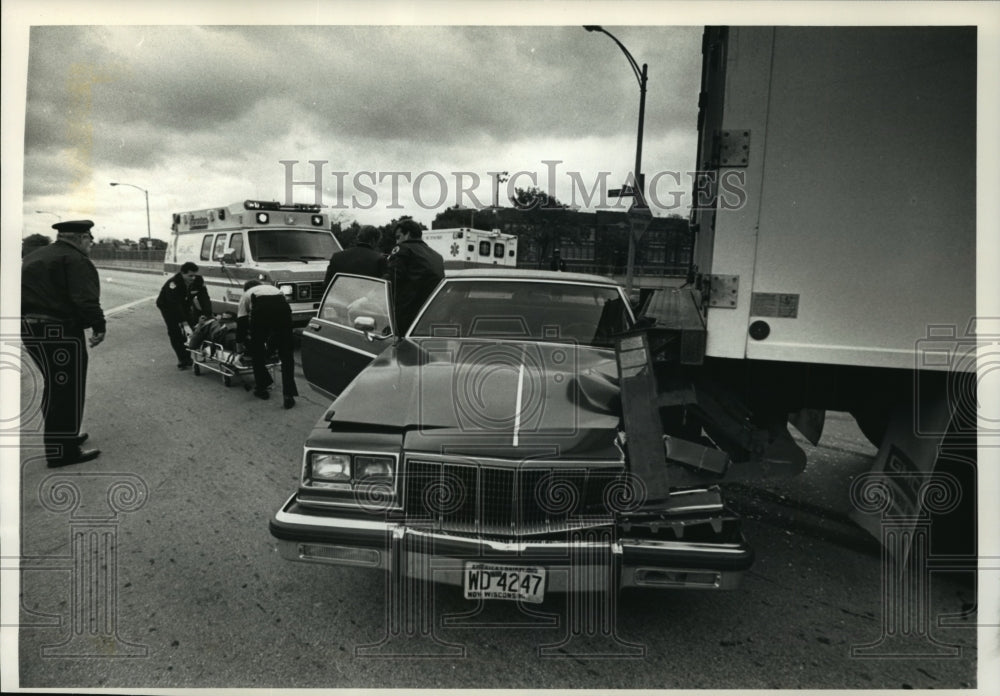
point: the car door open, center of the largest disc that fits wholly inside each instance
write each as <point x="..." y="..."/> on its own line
<point x="350" y="329"/>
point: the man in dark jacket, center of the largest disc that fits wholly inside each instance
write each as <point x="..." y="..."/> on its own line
<point x="361" y="259"/>
<point x="414" y="269"/>
<point x="183" y="300"/>
<point x="60" y="297"/>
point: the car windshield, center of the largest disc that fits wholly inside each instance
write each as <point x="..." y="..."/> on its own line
<point x="280" y="244"/>
<point x="526" y="310"/>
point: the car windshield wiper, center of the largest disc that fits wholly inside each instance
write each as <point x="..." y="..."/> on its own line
<point x="281" y="258"/>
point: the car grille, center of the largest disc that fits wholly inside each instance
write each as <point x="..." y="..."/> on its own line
<point x="310" y="291"/>
<point x="507" y="500"/>
<point x="316" y="290"/>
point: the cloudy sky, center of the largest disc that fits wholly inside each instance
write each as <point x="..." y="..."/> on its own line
<point x="203" y="116"/>
<point x="199" y="103"/>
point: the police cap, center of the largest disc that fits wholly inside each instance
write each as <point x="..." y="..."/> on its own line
<point x="73" y="226"/>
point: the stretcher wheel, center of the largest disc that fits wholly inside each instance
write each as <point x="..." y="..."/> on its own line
<point x="196" y="368"/>
<point x="227" y="380"/>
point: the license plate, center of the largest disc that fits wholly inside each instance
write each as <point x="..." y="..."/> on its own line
<point x="491" y="581"/>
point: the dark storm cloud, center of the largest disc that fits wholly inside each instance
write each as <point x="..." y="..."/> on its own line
<point x="196" y="113"/>
<point x="446" y="84"/>
<point x="135" y="87"/>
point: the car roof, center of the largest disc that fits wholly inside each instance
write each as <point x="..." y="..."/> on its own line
<point x="507" y="273"/>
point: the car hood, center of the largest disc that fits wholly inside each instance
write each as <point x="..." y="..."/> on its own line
<point x="489" y="399"/>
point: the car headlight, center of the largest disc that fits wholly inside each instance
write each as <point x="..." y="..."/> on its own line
<point x="287" y="290"/>
<point x="330" y="468"/>
<point x="367" y="466"/>
<point x="347" y="470"/>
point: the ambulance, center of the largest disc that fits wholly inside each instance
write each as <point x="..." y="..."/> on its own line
<point x="286" y="245"/>
<point x="463" y="247"/>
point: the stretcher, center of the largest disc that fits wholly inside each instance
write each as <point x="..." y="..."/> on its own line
<point x="215" y="357"/>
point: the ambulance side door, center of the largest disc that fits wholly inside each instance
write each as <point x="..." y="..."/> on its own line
<point x="335" y="345"/>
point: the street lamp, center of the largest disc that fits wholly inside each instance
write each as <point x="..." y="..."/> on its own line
<point x="149" y="236"/>
<point x="500" y="178"/>
<point x="46" y="212"/>
<point x="638" y="191"/>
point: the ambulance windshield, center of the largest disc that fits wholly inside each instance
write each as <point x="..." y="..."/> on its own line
<point x="292" y="245"/>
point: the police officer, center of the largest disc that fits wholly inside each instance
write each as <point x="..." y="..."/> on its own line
<point x="264" y="323"/>
<point x="414" y="269"/>
<point x="361" y="259"/>
<point x="60" y="297"/>
<point x="182" y="301"/>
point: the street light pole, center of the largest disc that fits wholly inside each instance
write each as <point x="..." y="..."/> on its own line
<point x="46" y="212"/>
<point x="499" y="178"/>
<point x="639" y="193"/>
<point x="149" y="236"/>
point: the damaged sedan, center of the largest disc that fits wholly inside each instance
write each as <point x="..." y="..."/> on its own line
<point x="487" y="449"/>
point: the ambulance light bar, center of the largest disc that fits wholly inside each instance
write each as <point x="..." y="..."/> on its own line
<point x="274" y="205"/>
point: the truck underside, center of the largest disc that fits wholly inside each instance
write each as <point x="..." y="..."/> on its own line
<point x="717" y="420"/>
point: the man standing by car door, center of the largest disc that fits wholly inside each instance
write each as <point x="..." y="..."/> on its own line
<point x="60" y="297"/>
<point x="182" y="301"/>
<point x="414" y="270"/>
<point x="361" y="259"/>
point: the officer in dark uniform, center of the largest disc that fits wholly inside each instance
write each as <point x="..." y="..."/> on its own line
<point x="361" y="259"/>
<point x="414" y="269"/>
<point x="60" y="297"/>
<point x="183" y="300"/>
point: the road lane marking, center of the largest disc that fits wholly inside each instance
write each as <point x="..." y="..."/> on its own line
<point x="122" y="308"/>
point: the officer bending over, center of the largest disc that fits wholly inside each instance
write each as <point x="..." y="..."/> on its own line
<point x="264" y="316"/>
<point x="183" y="300"/>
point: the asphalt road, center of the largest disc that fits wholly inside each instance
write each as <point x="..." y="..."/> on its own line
<point x="152" y="568"/>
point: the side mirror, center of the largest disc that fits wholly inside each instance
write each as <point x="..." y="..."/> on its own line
<point x="367" y="324"/>
<point x="229" y="256"/>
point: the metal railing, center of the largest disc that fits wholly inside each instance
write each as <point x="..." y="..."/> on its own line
<point x="128" y="258"/>
<point x="606" y="269"/>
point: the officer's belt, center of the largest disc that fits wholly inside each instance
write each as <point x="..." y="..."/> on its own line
<point x="36" y="318"/>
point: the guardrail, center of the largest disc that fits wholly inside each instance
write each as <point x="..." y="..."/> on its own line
<point x="146" y="259"/>
<point x="604" y="269"/>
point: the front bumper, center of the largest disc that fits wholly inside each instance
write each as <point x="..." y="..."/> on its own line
<point x="586" y="559"/>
